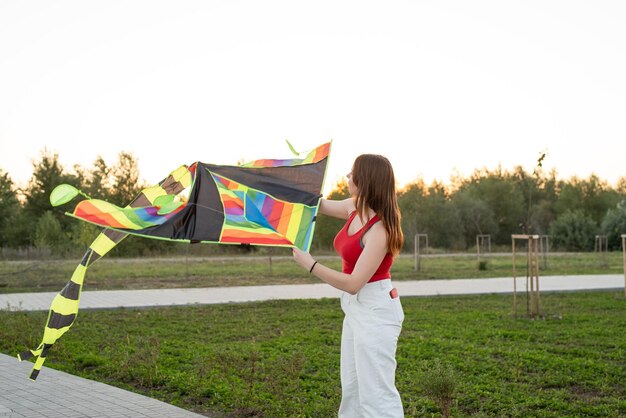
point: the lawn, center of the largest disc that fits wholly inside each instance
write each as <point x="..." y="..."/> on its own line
<point x="281" y="358"/>
<point x="143" y="273"/>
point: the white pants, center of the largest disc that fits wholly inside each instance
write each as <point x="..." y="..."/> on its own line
<point x="368" y="352"/>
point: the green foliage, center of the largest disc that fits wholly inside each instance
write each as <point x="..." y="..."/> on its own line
<point x="49" y="234"/>
<point x="125" y="182"/>
<point x="574" y="231"/>
<point x="475" y="215"/>
<point x="495" y="202"/>
<point x="429" y="210"/>
<point x="99" y="180"/>
<point x="504" y="195"/>
<point x="82" y="235"/>
<point x="17" y="230"/>
<point x="9" y="210"/>
<point x="409" y="199"/>
<point x="33" y="224"/>
<point x="281" y="358"/>
<point x="592" y="196"/>
<point x="47" y="174"/>
<point x="621" y="186"/>
<point x="542" y="217"/>
<point x="439" y="383"/>
<point x="327" y="227"/>
<point x="614" y="225"/>
<point x="133" y="246"/>
<point x="437" y="217"/>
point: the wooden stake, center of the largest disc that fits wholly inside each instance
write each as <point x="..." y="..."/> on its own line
<point x="624" y="251"/>
<point x="533" y="301"/>
<point x="536" y="239"/>
<point x="515" y="281"/>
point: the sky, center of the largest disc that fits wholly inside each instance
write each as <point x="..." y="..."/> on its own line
<point x="441" y="88"/>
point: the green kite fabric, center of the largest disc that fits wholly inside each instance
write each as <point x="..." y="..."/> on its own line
<point x="266" y="202"/>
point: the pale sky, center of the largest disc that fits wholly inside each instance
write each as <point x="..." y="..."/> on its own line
<point x="436" y="86"/>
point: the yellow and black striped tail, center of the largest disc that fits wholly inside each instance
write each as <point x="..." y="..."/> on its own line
<point x="64" y="307"/>
<point x="40" y="353"/>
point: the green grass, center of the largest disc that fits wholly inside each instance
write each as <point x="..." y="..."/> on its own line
<point x="111" y="273"/>
<point x="281" y="358"/>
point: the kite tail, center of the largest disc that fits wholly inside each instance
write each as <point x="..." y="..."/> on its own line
<point x="40" y="352"/>
<point x="64" y="307"/>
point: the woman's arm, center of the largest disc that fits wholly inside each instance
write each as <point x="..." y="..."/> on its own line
<point x="337" y="208"/>
<point x="374" y="251"/>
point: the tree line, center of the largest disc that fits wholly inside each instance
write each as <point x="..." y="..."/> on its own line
<point x="495" y="202"/>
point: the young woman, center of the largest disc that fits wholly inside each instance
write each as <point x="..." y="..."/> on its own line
<point x="368" y="243"/>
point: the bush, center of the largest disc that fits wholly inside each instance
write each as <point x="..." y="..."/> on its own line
<point x="614" y="225"/>
<point x="49" y="234"/>
<point x="574" y="231"/>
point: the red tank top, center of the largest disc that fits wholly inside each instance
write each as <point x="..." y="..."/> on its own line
<point x="350" y="247"/>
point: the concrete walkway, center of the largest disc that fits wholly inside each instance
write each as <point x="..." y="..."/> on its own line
<point x="211" y="295"/>
<point x="58" y="394"/>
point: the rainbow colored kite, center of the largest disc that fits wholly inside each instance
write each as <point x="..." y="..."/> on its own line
<point x="264" y="202"/>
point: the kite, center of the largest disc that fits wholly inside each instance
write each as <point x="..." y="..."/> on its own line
<point x="265" y="202"/>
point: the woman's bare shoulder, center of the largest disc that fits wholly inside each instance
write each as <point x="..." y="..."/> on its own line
<point x="376" y="233"/>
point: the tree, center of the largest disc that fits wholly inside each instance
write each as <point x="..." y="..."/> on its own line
<point x="126" y="184"/>
<point x="49" y="234"/>
<point x="437" y="217"/>
<point x="47" y="174"/>
<point x="326" y="227"/>
<point x="99" y="180"/>
<point x="502" y="194"/>
<point x="621" y="186"/>
<point x="575" y="230"/>
<point x="592" y="195"/>
<point x="475" y="215"/>
<point x="410" y="198"/>
<point x="542" y="215"/>
<point x="82" y="235"/>
<point x="428" y="210"/>
<point x="9" y="211"/>
<point x="614" y="225"/>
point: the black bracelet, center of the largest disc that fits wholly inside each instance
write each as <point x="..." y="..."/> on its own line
<point x="311" y="271"/>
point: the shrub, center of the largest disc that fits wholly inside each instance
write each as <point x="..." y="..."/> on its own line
<point x="614" y="225"/>
<point x="49" y="234"/>
<point x="574" y="231"/>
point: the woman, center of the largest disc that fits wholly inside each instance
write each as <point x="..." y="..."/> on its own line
<point x="368" y="242"/>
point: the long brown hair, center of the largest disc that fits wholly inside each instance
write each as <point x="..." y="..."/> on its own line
<point x="376" y="189"/>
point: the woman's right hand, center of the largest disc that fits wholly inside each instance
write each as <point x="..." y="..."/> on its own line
<point x="304" y="259"/>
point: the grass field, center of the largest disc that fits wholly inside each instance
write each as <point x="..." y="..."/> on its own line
<point x="281" y="358"/>
<point x="110" y="273"/>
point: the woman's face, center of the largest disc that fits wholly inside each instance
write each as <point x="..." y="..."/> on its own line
<point x="351" y="186"/>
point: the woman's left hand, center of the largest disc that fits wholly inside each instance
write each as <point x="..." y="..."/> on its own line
<point x="302" y="258"/>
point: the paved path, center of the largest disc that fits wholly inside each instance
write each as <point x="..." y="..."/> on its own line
<point x="168" y="297"/>
<point x="58" y="394"/>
